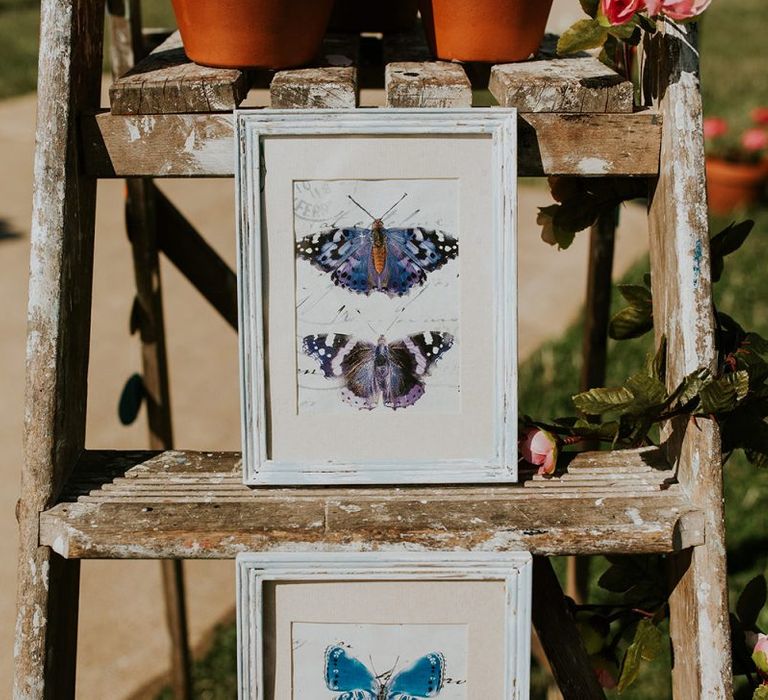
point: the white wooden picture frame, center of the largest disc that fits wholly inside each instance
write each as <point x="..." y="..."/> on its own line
<point x="303" y="417"/>
<point x="496" y="626"/>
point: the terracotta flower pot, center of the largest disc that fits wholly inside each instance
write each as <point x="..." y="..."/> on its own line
<point x="492" y="31"/>
<point x="252" y="33"/>
<point x="733" y="186"/>
<point x="385" y="16"/>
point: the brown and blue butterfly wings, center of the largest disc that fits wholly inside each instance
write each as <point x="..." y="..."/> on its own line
<point x="393" y="372"/>
<point x="346" y="253"/>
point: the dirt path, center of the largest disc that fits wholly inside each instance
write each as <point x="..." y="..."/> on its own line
<point x="122" y="636"/>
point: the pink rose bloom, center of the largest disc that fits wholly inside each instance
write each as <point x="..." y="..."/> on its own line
<point x="760" y="115"/>
<point x="755" y="139"/>
<point x="677" y="9"/>
<point x="714" y="127"/>
<point x="760" y="654"/>
<point x="540" y="449"/>
<point x="621" y="11"/>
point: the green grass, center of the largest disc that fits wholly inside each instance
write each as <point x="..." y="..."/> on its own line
<point x="19" y="26"/>
<point x="215" y="675"/>
<point x="19" y="29"/>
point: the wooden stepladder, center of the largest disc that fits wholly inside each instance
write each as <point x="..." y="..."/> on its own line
<point x="668" y="500"/>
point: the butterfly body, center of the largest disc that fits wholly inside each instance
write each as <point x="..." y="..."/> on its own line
<point x="378" y="247"/>
<point x="387" y="260"/>
<point x="391" y="372"/>
<point x="353" y="680"/>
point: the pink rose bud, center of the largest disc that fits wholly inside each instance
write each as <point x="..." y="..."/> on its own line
<point x="677" y="9"/>
<point x="755" y="139"/>
<point x="715" y="127"/>
<point x="760" y="654"/>
<point x="621" y="11"/>
<point x="539" y="448"/>
<point x="760" y="115"/>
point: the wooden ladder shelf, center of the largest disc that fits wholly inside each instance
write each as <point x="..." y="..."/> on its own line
<point x="170" y="118"/>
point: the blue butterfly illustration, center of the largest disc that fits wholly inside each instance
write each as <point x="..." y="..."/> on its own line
<point x="394" y="371"/>
<point x="389" y="260"/>
<point x="351" y="678"/>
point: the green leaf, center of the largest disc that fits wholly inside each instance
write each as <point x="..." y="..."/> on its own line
<point x="722" y="395"/>
<point x="130" y="399"/>
<point x="761" y="693"/>
<point x="757" y="458"/>
<point x="656" y="364"/>
<point x="577" y="214"/>
<point x="626" y="32"/>
<point x="728" y="241"/>
<point x="595" y="402"/>
<point x="756" y="343"/>
<point x="590" y="6"/>
<point x="647" y="279"/>
<point x="631" y="322"/>
<point x="584" y="34"/>
<point x="691" y="385"/>
<point x="648" y="391"/>
<point x="647" y="23"/>
<point x="636" y="294"/>
<point x="751" y="601"/>
<point x="645" y="646"/>
<point x="617" y="579"/>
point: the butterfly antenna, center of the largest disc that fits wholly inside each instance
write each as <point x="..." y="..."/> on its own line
<point x="354" y="201"/>
<point x="393" y="206"/>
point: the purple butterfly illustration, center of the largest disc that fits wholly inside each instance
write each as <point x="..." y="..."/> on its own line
<point x="389" y="260"/>
<point x="394" y="371"/>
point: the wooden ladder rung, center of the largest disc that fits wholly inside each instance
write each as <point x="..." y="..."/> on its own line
<point x="167" y="82"/>
<point x="201" y="145"/>
<point x="192" y="505"/>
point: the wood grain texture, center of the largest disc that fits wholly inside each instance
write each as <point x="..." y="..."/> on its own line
<point x="315" y="88"/>
<point x="61" y="262"/>
<point x="126" y="40"/>
<point x="580" y="84"/>
<point x="189" y="145"/>
<point x="560" y="637"/>
<point x="194" y="505"/>
<point x="430" y="84"/>
<point x="167" y="82"/>
<point x="682" y="308"/>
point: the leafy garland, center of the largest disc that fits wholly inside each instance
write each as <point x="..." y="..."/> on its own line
<point x="735" y="394"/>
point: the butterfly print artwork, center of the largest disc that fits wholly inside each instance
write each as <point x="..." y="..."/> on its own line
<point x="393" y="372"/>
<point x="353" y="680"/>
<point x="389" y="260"/>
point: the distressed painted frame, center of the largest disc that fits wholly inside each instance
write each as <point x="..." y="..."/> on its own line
<point x="255" y="125"/>
<point x="253" y="568"/>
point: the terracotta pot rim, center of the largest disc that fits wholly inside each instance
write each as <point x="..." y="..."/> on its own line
<point x="484" y="31"/>
<point x="730" y="170"/>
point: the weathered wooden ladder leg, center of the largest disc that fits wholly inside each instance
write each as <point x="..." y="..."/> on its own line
<point x="594" y="348"/>
<point x="141" y="220"/>
<point x="682" y="308"/>
<point x="127" y="47"/>
<point x="57" y="343"/>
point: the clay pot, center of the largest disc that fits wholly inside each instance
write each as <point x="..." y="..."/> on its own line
<point x="491" y="31"/>
<point x="732" y="186"/>
<point x="381" y="16"/>
<point x="252" y="33"/>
